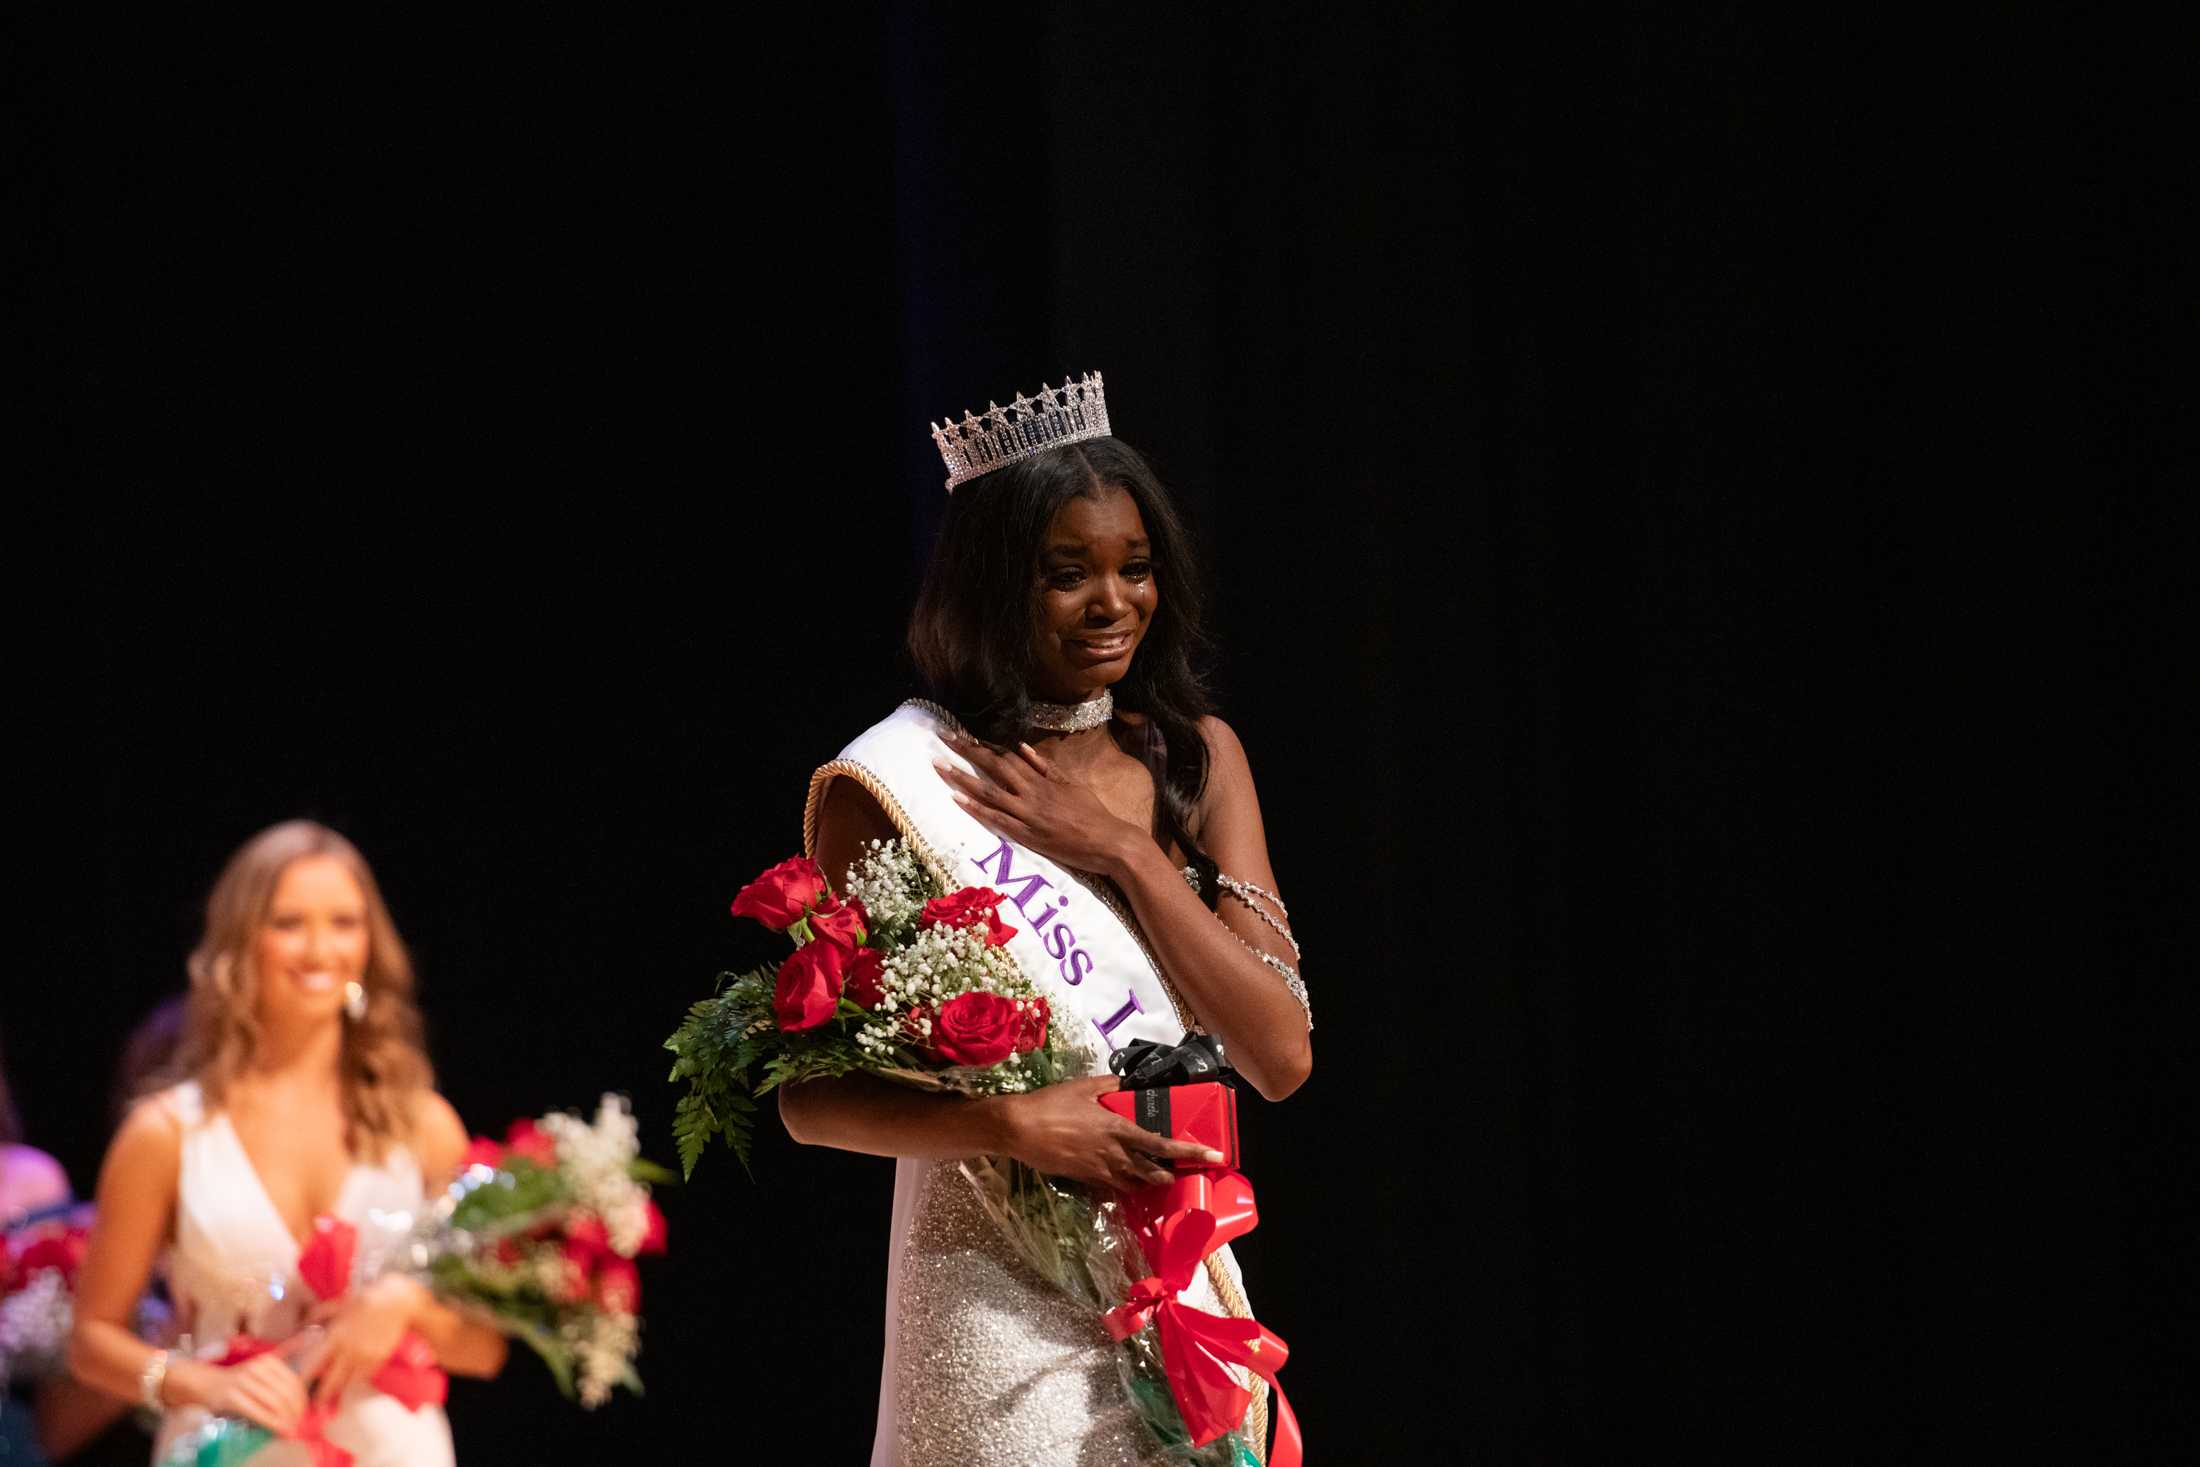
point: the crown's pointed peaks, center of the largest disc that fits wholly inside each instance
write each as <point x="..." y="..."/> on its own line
<point x="982" y="442"/>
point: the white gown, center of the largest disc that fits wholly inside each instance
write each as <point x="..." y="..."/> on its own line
<point x="234" y="1270"/>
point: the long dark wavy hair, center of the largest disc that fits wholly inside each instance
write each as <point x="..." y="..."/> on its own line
<point x="971" y="633"/>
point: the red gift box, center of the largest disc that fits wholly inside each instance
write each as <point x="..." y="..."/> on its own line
<point x="1205" y="1113"/>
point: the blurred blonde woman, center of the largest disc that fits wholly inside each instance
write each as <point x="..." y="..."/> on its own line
<point x="305" y="1091"/>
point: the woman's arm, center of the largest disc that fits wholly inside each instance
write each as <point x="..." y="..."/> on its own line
<point x="137" y="1198"/>
<point x="1061" y="1130"/>
<point x="1242" y="999"/>
<point x="1258" y="1019"/>
<point x="364" y="1329"/>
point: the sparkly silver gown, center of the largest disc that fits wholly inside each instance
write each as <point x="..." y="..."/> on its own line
<point x="986" y="1366"/>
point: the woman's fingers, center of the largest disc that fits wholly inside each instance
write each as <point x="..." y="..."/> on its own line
<point x="330" y="1375"/>
<point x="1189" y="1150"/>
<point x="977" y="786"/>
<point x="1003" y="770"/>
<point x="995" y="819"/>
<point x="271" y="1393"/>
<point x="332" y="1386"/>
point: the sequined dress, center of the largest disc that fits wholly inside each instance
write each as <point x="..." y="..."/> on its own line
<point x="986" y="1366"/>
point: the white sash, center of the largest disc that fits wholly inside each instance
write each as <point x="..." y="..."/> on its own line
<point x="1076" y="946"/>
<point x="1089" y="962"/>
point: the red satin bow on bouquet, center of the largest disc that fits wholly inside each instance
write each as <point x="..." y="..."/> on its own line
<point x="410" y="1375"/>
<point x="1177" y="1226"/>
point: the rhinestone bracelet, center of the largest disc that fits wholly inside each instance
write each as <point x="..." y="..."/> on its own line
<point x="1244" y="891"/>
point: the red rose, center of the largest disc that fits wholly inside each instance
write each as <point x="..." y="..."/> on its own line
<point x="63" y="1250"/>
<point x="843" y="922"/>
<point x="1031" y="1030"/>
<point x="653" y="1241"/>
<point x="482" y="1152"/>
<point x="809" y="985"/>
<point x="976" y="1029"/>
<point x="778" y="897"/>
<point x="619" y="1287"/>
<point x="524" y="1139"/>
<point x="973" y="906"/>
<point x="571" y="1285"/>
<point x="863" y="977"/>
<point x="586" y="1238"/>
<point x="508" y="1252"/>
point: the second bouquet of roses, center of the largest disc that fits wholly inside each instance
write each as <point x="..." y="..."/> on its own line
<point x="537" y="1235"/>
<point x="897" y="976"/>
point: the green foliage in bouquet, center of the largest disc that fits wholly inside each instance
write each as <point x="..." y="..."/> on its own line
<point x="730" y="1050"/>
<point x="899" y="979"/>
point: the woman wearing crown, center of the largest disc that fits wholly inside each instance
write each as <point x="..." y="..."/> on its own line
<point x="1067" y="758"/>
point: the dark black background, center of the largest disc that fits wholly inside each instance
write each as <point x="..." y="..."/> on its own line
<point x="508" y="446"/>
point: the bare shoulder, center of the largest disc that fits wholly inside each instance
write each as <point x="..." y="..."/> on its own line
<point x="848" y="819"/>
<point x="1223" y="744"/>
<point x="148" y="1145"/>
<point x="1229" y="773"/>
<point x="848" y="804"/>
<point x="439" y="1136"/>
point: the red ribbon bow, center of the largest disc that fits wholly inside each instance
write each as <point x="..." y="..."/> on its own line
<point x="1178" y="1224"/>
<point x="410" y="1375"/>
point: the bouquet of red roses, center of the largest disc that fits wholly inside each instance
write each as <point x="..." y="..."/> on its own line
<point x="537" y="1235"/>
<point x="898" y="977"/>
<point x="540" y="1233"/>
<point x="37" y="1297"/>
<point x="38" y="1268"/>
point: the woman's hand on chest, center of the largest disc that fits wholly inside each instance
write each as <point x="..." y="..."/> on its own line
<point x="1025" y="796"/>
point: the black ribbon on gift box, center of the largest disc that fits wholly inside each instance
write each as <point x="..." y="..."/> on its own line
<point x="1146" y="1064"/>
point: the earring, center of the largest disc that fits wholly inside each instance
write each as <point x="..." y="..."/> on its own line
<point x="355" y="1000"/>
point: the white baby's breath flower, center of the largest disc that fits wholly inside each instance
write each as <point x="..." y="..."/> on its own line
<point x="35" y="1322"/>
<point x="598" y="1161"/>
<point x="892" y="883"/>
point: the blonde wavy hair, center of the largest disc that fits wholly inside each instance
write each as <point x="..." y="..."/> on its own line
<point x="385" y="1064"/>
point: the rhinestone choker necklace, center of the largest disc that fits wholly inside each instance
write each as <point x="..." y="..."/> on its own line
<point x="1074" y="717"/>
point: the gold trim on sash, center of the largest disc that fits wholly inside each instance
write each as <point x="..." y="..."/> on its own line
<point x="1226" y="1288"/>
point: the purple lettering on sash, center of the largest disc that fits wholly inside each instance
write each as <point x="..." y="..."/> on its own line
<point x="1077" y="965"/>
<point x="1131" y="1005"/>
<point x="1002" y="879"/>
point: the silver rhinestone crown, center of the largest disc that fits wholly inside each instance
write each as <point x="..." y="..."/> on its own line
<point x="983" y="442"/>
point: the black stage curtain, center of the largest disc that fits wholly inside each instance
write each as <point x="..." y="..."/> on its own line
<point x="510" y="447"/>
